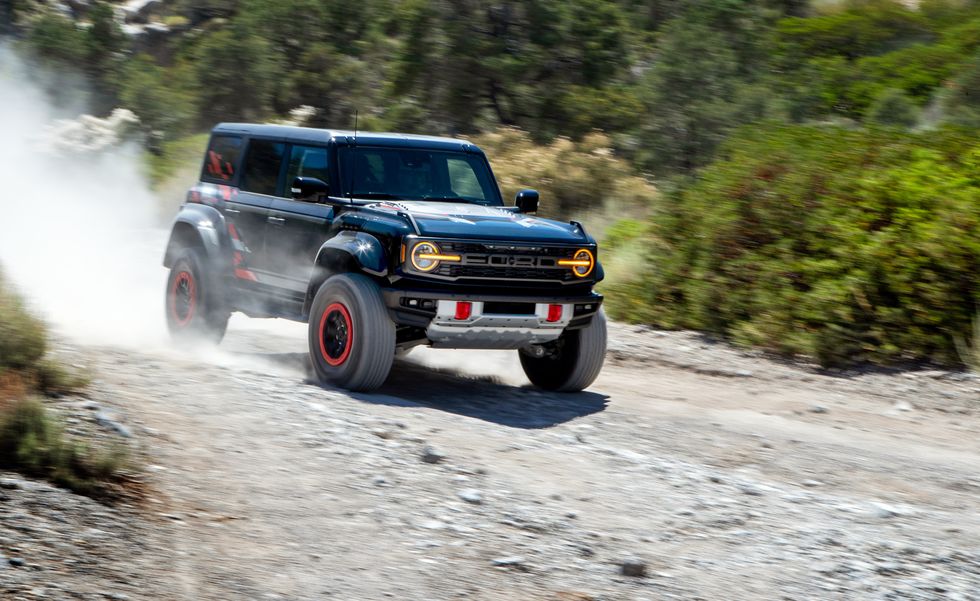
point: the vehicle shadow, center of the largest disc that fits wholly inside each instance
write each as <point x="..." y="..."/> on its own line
<point x="480" y="397"/>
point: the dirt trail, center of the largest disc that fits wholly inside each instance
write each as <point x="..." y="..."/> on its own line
<point x="727" y="475"/>
<point x="727" y="482"/>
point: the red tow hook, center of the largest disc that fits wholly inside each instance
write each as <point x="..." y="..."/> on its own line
<point x="463" y="310"/>
<point x="554" y="313"/>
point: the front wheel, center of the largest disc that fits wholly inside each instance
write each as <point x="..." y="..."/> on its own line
<point x="195" y="311"/>
<point x="572" y="362"/>
<point x="352" y="339"/>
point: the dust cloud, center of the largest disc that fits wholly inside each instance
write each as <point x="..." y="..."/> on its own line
<point x="79" y="232"/>
<point x="81" y="238"/>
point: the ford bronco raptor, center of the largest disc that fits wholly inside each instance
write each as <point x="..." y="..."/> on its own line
<point x="381" y="242"/>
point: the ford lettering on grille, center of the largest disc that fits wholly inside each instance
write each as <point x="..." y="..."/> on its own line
<point x="513" y="261"/>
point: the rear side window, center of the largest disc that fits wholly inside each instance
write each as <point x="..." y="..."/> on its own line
<point x="221" y="160"/>
<point x="262" y="163"/>
<point x="308" y="161"/>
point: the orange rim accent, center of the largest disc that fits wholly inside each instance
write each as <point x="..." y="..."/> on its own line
<point x="183" y="285"/>
<point x="348" y="338"/>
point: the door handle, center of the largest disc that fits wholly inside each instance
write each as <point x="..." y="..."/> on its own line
<point x="232" y="211"/>
<point x="277" y="220"/>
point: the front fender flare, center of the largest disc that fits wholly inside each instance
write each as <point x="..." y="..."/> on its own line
<point x="347" y="251"/>
<point x="366" y="251"/>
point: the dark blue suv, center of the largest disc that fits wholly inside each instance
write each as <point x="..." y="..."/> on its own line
<point x="381" y="242"/>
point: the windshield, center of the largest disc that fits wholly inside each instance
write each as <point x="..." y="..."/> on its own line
<point x="416" y="174"/>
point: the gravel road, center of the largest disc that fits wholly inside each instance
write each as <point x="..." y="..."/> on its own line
<point x="689" y="471"/>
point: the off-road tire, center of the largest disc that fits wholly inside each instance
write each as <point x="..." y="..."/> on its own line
<point x="352" y="339"/>
<point x="572" y="362"/>
<point x="195" y="308"/>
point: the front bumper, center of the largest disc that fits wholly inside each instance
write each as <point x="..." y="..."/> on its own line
<point x="496" y="321"/>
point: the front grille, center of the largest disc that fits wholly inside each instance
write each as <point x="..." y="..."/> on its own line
<point x="491" y="260"/>
<point x="455" y="270"/>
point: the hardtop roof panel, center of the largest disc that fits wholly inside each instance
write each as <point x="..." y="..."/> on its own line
<point x="323" y="136"/>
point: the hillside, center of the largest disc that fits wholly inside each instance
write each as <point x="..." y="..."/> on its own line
<point x="620" y="99"/>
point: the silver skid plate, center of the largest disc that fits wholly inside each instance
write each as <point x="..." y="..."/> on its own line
<point x="491" y="331"/>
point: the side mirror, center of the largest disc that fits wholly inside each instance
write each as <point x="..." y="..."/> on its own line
<point x="309" y="188"/>
<point x="527" y="201"/>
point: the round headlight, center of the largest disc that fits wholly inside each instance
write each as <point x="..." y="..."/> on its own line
<point x="581" y="263"/>
<point x="425" y="256"/>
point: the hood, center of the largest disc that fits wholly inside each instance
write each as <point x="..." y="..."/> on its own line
<point x="465" y="220"/>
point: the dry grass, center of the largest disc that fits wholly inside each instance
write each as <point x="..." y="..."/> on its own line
<point x="582" y="180"/>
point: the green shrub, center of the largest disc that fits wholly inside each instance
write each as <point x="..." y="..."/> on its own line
<point x="235" y="73"/>
<point x="894" y="108"/>
<point x="23" y="348"/>
<point x="961" y="101"/>
<point x="52" y="378"/>
<point x="624" y="260"/>
<point x="23" y="337"/>
<point x="56" y="38"/>
<point x="177" y="156"/>
<point x="162" y="102"/>
<point x="32" y="442"/>
<point x="839" y="244"/>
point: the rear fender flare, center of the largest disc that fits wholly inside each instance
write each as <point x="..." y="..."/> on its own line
<point x="201" y="227"/>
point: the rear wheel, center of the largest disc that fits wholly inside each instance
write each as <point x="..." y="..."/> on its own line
<point x="352" y="339"/>
<point x="572" y="362"/>
<point x="195" y="311"/>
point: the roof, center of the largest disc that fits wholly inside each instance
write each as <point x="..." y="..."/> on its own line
<point x="338" y="136"/>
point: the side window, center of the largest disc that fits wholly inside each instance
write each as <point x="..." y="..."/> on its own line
<point x="222" y="156"/>
<point x="463" y="180"/>
<point x="261" y="171"/>
<point x="308" y="161"/>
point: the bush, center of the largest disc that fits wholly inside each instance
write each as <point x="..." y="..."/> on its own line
<point x="164" y="106"/>
<point x="894" y="108"/>
<point x="961" y="101"/>
<point x="56" y="38"/>
<point x="34" y="443"/>
<point x="842" y="245"/>
<point x="582" y="180"/>
<point x="23" y="346"/>
<point x="23" y="338"/>
<point x="624" y="260"/>
<point x="235" y="73"/>
<point x="31" y="441"/>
